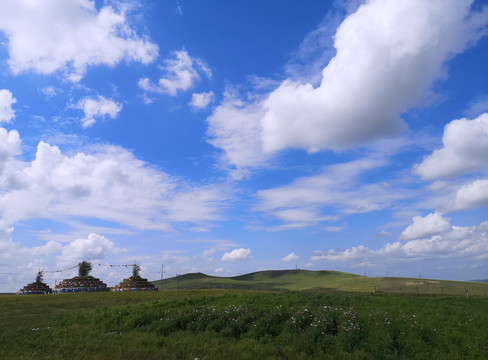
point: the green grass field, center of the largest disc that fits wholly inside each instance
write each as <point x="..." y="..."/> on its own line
<point x="265" y="315"/>
<point x="242" y="324"/>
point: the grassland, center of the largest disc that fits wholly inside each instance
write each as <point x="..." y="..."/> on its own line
<point x="242" y="324"/>
<point x="276" y="280"/>
<point x="308" y="315"/>
<point x="332" y="281"/>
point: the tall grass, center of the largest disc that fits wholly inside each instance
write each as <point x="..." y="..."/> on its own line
<point x="242" y="325"/>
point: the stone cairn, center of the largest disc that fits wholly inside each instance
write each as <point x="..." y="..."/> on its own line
<point x="81" y="283"/>
<point x="37" y="287"/>
<point x="135" y="282"/>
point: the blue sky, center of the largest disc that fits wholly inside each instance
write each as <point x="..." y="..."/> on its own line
<point x="235" y="136"/>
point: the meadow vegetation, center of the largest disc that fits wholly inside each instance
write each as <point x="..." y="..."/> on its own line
<point x="242" y="324"/>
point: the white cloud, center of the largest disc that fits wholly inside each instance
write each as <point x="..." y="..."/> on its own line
<point x="201" y="100"/>
<point x="97" y="108"/>
<point x="93" y="247"/>
<point x="363" y="265"/>
<point x="334" y="228"/>
<point x="237" y="254"/>
<point x="69" y="36"/>
<point x="10" y="146"/>
<point x="219" y="270"/>
<point x="291" y="257"/>
<point x="234" y="127"/>
<point x="465" y="149"/>
<point x="459" y="242"/>
<point x="422" y="227"/>
<point x="105" y="183"/>
<point x="6" y="102"/>
<point x="470" y="196"/>
<point x="337" y="186"/>
<point x="180" y="74"/>
<point x="364" y="88"/>
<point x="318" y="255"/>
<point x="49" y="91"/>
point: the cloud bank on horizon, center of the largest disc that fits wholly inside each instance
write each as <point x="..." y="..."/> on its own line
<point x="349" y="136"/>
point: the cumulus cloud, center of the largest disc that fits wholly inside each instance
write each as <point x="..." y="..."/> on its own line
<point x="97" y="108"/>
<point x="93" y="247"/>
<point x="201" y="100"/>
<point x="6" y="102"/>
<point x="237" y="254"/>
<point x="318" y="255"/>
<point x="470" y="196"/>
<point x="106" y="182"/>
<point x="291" y="257"/>
<point x="465" y="149"/>
<point x="458" y="242"/>
<point x="388" y="54"/>
<point x="422" y="227"/>
<point x="235" y="127"/>
<point x="88" y="37"/>
<point x="180" y="74"/>
<point x="10" y="146"/>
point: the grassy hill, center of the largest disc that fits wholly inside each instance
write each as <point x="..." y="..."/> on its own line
<point x="335" y="281"/>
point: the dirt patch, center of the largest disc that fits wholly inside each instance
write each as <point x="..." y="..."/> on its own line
<point x="410" y="283"/>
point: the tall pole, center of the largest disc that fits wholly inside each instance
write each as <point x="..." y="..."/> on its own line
<point x="162" y="270"/>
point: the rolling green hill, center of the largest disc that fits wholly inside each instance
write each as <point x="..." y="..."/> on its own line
<point x="324" y="280"/>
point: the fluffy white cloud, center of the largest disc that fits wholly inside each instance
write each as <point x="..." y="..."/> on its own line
<point x="10" y="146"/>
<point x="201" y="100"/>
<point x="236" y="254"/>
<point x="180" y="73"/>
<point x="318" y="255"/>
<point x="422" y="227"/>
<point x="465" y="149"/>
<point x="69" y="35"/>
<point x="388" y="54"/>
<point x="459" y="242"/>
<point x="291" y="257"/>
<point x="6" y="102"/>
<point x="107" y="183"/>
<point x="470" y="196"/>
<point x="94" y="247"/>
<point x="97" y="108"/>
<point x="234" y="127"/>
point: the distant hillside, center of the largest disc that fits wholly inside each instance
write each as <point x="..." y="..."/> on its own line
<point x="276" y="280"/>
<point x="335" y="281"/>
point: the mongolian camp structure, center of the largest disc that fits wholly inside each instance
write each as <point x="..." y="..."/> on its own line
<point x="37" y="287"/>
<point x="81" y="283"/>
<point x="135" y="282"/>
